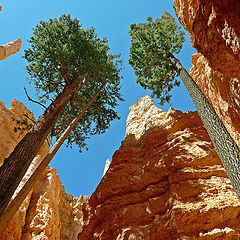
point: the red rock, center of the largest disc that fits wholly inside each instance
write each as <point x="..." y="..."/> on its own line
<point x="48" y="212"/>
<point x="214" y="32"/>
<point x="165" y="182"/>
<point x="10" y="48"/>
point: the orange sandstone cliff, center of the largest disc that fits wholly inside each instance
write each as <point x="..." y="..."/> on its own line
<point x="48" y="212"/>
<point x="165" y="182"/>
<point x="214" y="32"/>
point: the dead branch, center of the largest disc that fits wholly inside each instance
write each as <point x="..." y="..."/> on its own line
<point x="30" y="99"/>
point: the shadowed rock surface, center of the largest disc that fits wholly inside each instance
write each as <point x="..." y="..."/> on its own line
<point x="165" y="181"/>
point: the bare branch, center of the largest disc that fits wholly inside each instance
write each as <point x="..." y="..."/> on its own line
<point x="30" y="99"/>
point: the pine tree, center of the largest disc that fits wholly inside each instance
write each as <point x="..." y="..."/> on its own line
<point x="151" y="55"/>
<point x="68" y="65"/>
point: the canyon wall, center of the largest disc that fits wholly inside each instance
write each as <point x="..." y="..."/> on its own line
<point x="48" y="212"/>
<point x="165" y="182"/>
<point x="214" y="32"/>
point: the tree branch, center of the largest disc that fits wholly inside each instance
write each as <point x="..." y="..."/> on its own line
<point x="30" y="99"/>
<point x="26" y="115"/>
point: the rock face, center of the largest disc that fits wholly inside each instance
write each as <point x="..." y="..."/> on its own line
<point x="165" y="182"/>
<point x="9" y="48"/>
<point x="52" y="213"/>
<point x="214" y="32"/>
<point x="48" y="212"/>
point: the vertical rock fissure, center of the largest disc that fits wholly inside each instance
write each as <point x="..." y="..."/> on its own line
<point x="26" y="215"/>
<point x="224" y="144"/>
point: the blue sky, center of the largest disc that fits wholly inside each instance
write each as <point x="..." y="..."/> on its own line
<point x="81" y="172"/>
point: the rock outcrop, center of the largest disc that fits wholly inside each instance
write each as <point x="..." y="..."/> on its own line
<point x="9" y="48"/>
<point x="165" y="182"/>
<point x="48" y="212"/>
<point x="214" y="32"/>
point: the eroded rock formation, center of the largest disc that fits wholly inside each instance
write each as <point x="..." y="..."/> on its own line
<point x="214" y="32"/>
<point x="48" y="212"/>
<point x="165" y="182"/>
<point x="9" y="48"/>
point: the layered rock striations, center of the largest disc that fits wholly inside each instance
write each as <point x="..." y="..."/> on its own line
<point x="214" y="32"/>
<point x="48" y="212"/>
<point x="165" y="182"/>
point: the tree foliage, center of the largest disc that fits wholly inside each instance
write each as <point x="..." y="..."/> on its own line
<point x="60" y="52"/>
<point x="96" y="119"/>
<point x="151" y="43"/>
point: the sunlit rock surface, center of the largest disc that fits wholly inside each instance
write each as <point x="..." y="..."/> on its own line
<point x="214" y="32"/>
<point x="107" y="164"/>
<point x="9" y="48"/>
<point x="165" y="182"/>
<point x="48" y="212"/>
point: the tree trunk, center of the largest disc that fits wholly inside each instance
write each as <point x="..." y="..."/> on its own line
<point x="224" y="144"/>
<point x="17" y="201"/>
<point x="16" y="165"/>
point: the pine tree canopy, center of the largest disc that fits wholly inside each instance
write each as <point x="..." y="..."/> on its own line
<point x="61" y="52"/>
<point x="151" y="44"/>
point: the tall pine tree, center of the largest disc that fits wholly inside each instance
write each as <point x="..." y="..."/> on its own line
<point x="68" y="65"/>
<point x="151" y="55"/>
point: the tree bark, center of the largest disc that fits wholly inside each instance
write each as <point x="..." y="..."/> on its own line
<point x="17" y="201"/>
<point x="16" y="165"/>
<point x="227" y="149"/>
